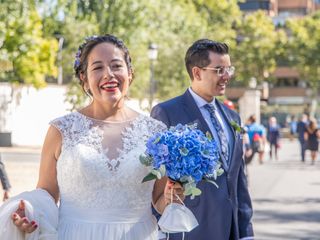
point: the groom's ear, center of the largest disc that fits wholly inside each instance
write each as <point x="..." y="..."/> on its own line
<point x="196" y="73"/>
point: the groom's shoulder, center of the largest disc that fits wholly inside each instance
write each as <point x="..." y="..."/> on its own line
<point x="174" y="102"/>
<point x="171" y="102"/>
<point x="232" y="113"/>
<point x="165" y="110"/>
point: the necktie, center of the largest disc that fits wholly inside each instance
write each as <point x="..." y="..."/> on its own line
<point x="221" y="134"/>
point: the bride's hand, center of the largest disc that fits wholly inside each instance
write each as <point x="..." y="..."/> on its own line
<point x="172" y="190"/>
<point x="21" y="221"/>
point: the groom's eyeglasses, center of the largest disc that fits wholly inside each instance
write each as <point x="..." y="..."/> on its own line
<point x="221" y="71"/>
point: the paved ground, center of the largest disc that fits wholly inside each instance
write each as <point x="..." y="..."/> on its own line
<point x="285" y="193"/>
<point x="22" y="165"/>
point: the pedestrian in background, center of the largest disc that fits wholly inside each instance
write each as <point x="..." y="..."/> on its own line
<point x="293" y="127"/>
<point x="273" y="136"/>
<point x="247" y="147"/>
<point x="301" y="129"/>
<point x="257" y="136"/>
<point x="4" y="180"/>
<point x="312" y="135"/>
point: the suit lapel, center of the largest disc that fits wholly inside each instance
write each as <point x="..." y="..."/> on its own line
<point x="193" y="113"/>
<point x="226" y="116"/>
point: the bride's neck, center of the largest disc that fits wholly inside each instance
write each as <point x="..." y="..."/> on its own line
<point x="117" y="112"/>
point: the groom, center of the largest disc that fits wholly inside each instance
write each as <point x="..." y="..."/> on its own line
<point x="223" y="213"/>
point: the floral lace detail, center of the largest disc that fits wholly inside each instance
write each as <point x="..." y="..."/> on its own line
<point x="87" y="178"/>
<point x="76" y="129"/>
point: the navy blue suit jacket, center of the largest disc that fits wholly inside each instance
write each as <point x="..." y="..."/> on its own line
<point x="223" y="213"/>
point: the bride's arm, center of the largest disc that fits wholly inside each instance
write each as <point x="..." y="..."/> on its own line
<point x="158" y="200"/>
<point x="47" y="178"/>
<point x="50" y="153"/>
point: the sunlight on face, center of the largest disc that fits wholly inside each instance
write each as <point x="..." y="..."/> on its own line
<point x="108" y="77"/>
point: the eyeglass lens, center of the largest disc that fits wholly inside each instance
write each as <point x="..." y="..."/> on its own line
<point x="223" y="70"/>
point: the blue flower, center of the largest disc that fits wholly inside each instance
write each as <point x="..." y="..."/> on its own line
<point x="185" y="152"/>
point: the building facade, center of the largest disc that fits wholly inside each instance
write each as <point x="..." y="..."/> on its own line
<point x="289" y="93"/>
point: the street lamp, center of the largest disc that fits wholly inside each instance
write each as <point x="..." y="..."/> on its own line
<point x="152" y="54"/>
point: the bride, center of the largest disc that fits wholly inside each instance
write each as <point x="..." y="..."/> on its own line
<point x="90" y="161"/>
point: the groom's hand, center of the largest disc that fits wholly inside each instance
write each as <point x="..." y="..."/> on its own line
<point x="21" y="221"/>
<point x="173" y="192"/>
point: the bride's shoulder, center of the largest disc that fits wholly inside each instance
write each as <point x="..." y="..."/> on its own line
<point x="67" y="121"/>
<point x="152" y="124"/>
<point x="69" y="117"/>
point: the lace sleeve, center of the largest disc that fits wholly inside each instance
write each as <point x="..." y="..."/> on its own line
<point x="156" y="126"/>
<point x="70" y="126"/>
<point x="59" y="124"/>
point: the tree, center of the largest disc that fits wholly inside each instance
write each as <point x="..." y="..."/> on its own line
<point x="173" y="25"/>
<point x="31" y="56"/>
<point x="304" y="47"/>
<point x="256" y="51"/>
<point x="305" y="42"/>
<point x="26" y="56"/>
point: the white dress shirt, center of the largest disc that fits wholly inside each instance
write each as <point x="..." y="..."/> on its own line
<point x="206" y="115"/>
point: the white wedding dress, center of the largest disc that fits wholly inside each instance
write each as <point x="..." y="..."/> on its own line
<point x="99" y="177"/>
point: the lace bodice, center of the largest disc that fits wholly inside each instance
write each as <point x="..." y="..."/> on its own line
<point x="99" y="163"/>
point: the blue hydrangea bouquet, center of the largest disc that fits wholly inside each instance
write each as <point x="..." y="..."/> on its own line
<point x="184" y="154"/>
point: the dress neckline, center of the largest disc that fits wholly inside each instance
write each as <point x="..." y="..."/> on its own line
<point x="109" y="121"/>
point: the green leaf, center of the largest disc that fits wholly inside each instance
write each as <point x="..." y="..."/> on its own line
<point x="142" y="159"/>
<point x="209" y="136"/>
<point x="156" y="140"/>
<point x="186" y="179"/>
<point x="220" y="171"/>
<point x="187" y="191"/>
<point x="195" y="191"/>
<point x="145" y="160"/>
<point x="235" y="126"/>
<point x="157" y="173"/>
<point x="183" y="151"/>
<point x="162" y="170"/>
<point x="149" y="177"/>
<point x="213" y="182"/>
<point x="215" y="175"/>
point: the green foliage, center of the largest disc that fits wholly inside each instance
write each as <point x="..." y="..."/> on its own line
<point x="76" y="96"/>
<point x="31" y="56"/>
<point x="149" y="177"/>
<point x="72" y="40"/>
<point x="236" y="127"/>
<point x="304" y="47"/>
<point x="256" y="51"/>
<point x="220" y="16"/>
<point x="172" y="25"/>
<point x="170" y="29"/>
<point x="154" y="173"/>
<point x="30" y="30"/>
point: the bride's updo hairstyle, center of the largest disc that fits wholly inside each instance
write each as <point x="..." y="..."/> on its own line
<point x="81" y="58"/>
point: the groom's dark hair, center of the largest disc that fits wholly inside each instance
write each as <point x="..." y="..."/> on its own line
<point x="198" y="54"/>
